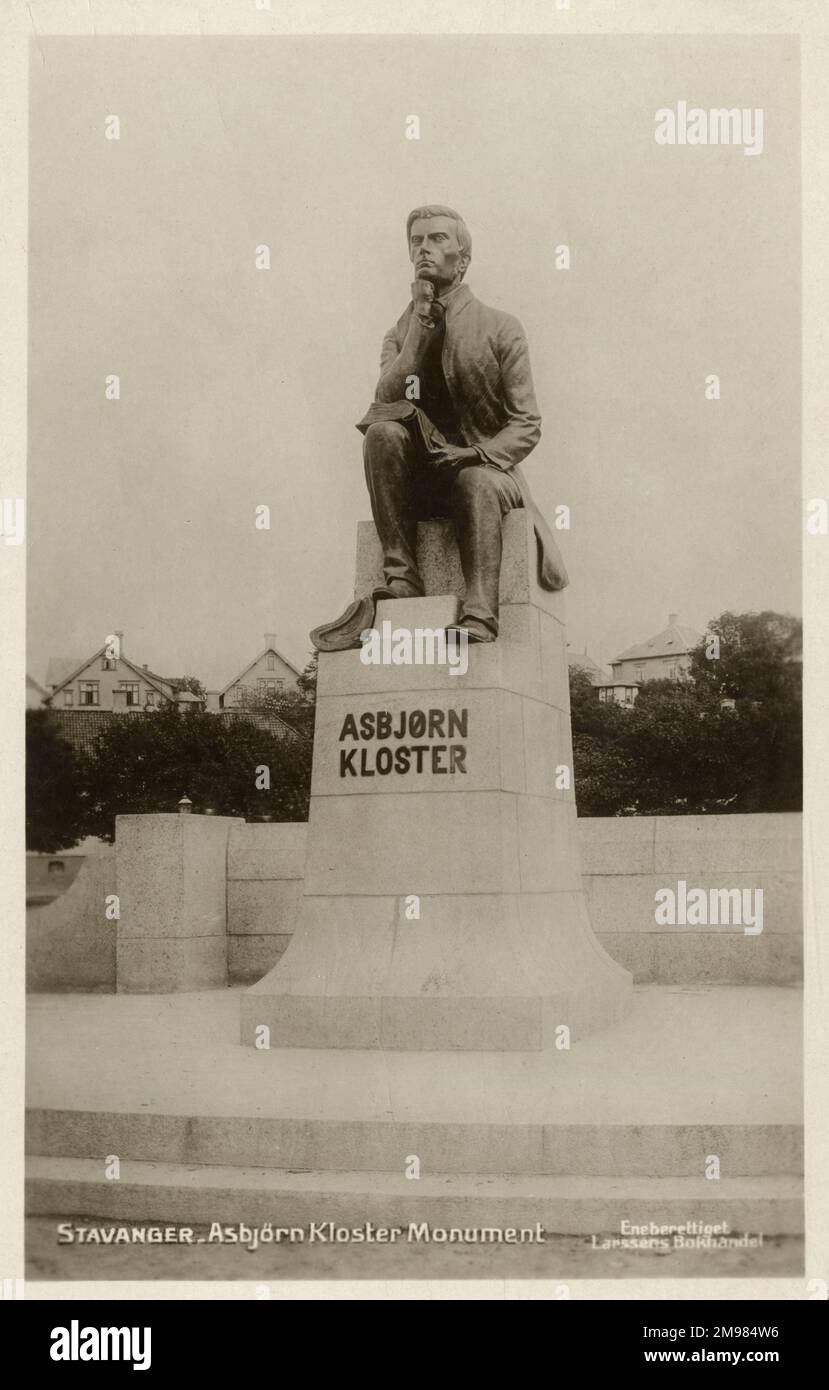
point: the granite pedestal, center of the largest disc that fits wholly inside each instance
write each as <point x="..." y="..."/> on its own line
<point x="443" y="905"/>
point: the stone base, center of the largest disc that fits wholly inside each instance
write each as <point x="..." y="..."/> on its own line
<point x="487" y="972"/>
<point x="166" y="966"/>
<point x="443" y="904"/>
<point x="437" y="956"/>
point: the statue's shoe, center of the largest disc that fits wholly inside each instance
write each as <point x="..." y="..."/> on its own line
<point x="474" y="630"/>
<point x="344" y="633"/>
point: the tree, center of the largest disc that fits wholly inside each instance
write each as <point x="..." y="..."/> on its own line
<point x="192" y="684"/>
<point x="601" y="772"/>
<point x="680" y="750"/>
<point x="680" y="744"/>
<point x="308" y="680"/>
<point x="56" y="810"/>
<point x="757" y="662"/>
<point x="590" y="715"/>
<point x="604" y="777"/>
<point x="756" y="656"/>
<point x="147" y="762"/>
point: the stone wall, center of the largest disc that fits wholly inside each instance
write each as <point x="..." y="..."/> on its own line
<point x="265" y="868"/>
<point x="625" y="861"/>
<point x="49" y="875"/>
<point x="70" y="945"/>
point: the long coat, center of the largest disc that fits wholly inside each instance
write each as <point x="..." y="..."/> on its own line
<point x="486" y="363"/>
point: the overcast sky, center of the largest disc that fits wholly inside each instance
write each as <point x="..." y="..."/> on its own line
<point x="241" y="387"/>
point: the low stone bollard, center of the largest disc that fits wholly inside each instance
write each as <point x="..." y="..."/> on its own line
<point x="172" y="889"/>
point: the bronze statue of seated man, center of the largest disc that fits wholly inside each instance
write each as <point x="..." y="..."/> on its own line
<point x="454" y="413"/>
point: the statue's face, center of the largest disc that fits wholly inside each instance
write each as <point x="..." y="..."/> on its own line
<point x="434" y="250"/>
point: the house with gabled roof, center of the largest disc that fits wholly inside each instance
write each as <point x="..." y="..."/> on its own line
<point x="270" y="674"/>
<point x="667" y="655"/>
<point x="103" y="682"/>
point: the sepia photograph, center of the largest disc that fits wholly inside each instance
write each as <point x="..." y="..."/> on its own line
<point x="414" y="850"/>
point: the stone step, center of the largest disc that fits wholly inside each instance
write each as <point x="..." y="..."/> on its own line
<point x="199" y="1194"/>
<point x="453" y="1147"/>
<point x="707" y="957"/>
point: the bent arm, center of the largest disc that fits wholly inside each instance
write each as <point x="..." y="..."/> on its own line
<point x="397" y="363"/>
<point x="521" y="430"/>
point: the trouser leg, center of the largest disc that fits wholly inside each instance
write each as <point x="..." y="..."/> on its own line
<point x="391" y="465"/>
<point x="479" y="499"/>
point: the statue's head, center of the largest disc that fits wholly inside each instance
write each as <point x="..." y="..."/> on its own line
<point x="440" y="247"/>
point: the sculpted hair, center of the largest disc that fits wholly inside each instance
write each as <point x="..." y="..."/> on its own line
<point x="437" y="210"/>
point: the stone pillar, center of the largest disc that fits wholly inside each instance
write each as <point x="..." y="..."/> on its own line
<point x="443" y="905"/>
<point x="171" y="874"/>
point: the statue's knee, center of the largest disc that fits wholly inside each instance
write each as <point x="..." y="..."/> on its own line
<point x="476" y="483"/>
<point x="383" y="435"/>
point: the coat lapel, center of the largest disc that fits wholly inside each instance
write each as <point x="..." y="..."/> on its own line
<point x="457" y="302"/>
<point x="455" y="305"/>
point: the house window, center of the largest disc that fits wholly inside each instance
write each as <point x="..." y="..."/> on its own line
<point x="89" y="692"/>
<point x="640" y="674"/>
<point x="271" y="661"/>
<point x="68" y="697"/>
<point x="133" y="693"/>
<point x="271" y="686"/>
<point x="150" y="697"/>
<point x="109" y="664"/>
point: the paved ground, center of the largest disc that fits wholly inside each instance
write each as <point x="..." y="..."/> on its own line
<point x="560" y="1258"/>
<point x="684" y="1056"/>
<point x="707" y="1055"/>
